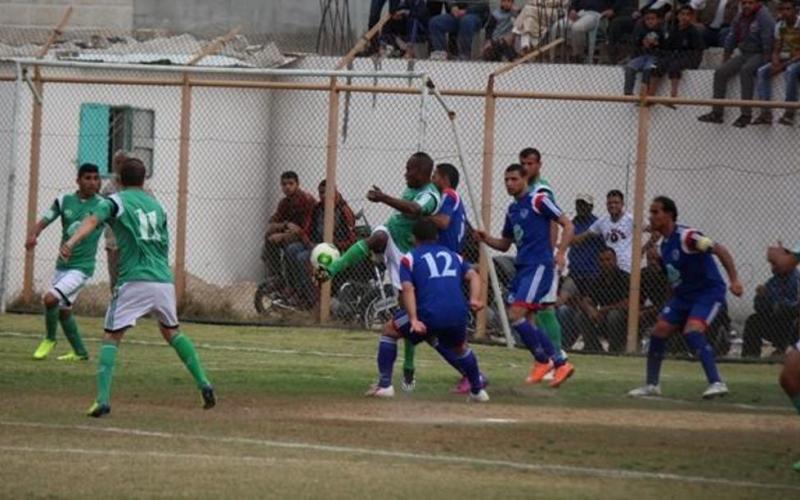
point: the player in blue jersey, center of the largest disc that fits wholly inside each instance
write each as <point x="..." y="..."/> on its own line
<point x="698" y="294"/>
<point x="451" y="219"/>
<point x="528" y="227"/>
<point x="435" y="309"/>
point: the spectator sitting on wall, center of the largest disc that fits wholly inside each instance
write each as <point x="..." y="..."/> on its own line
<point x="293" y="212"/>
<point x="785" y="58"/>
<point x="462" y="20"/>
<point x="616" y="229"/>
<point x="649" y="42"/>
<point x="776" y="312"/>
<point x="298" y="252"/>
<point x="628" y="15"/>
<point x="407" y="27"/>
<point x="683" y="50"/>
<point x="499" y="43"/>
<point x="716" y="16"/>
<point x="583" y="17"/>
<point x="753" y="34"/>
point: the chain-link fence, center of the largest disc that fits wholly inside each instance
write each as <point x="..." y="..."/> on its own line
<point x="217" y="143"/>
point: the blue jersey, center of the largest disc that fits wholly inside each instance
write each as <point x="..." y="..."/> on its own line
<point x="528" y="225"/>
<point x="690" y="267"/>
<point x="436" y="274"/>
<point x="453" y="236"/>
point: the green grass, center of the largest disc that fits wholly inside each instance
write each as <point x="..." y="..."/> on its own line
<point x="305" y="386"/>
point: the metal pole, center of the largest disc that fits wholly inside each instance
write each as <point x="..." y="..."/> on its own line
<point x="638" y="226"/>
<point x="423" y="115"/>
<point x="12" y="168"/>
<point x="501" y="307"/>
<point x="183" y="190"/>
<point x="330" y="192"/>
<point x="33" y="186"/>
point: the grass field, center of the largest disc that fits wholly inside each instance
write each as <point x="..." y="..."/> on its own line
<point x="292" y="422"/>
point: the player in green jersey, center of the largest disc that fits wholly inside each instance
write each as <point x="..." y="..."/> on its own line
<point x="70" y="277"/>
<point x="393" y="240"/>
<point x="145" y="283"/>
<point x="546" y="319"/>
<point x="783" y="261"/>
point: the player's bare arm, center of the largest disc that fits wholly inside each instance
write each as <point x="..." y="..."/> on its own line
<point x="442" y="221"/>
<point x="474" y="281"/>
<point x="726" y="259"/>
<point x="501" y="244"/>
<point x="410" y="304"/>
<point x="567" y="236"/>
<point x="90" y="223"/>
<point x="34" y="235"/>
<point x="375" y="195"/>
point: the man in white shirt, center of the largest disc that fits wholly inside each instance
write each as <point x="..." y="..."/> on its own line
<point x="616" y="229"/>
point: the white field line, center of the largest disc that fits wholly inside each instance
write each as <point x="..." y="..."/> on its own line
<point x="605" y="473"/>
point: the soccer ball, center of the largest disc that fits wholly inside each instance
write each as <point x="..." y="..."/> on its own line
<point x="324" y="254"/>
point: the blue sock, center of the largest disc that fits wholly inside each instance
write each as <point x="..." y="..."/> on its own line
<point x="655" y="355"/>
<point x="448" y="356"/>
<point x="703" y="350"/>
<point x="469" y="366"/>
<point x="387" y="353"/>
<point x="537" y="342"/>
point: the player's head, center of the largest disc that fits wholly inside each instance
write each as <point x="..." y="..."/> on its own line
<point x="615" y="202"/>
<point x="607" y="258"/>
<point x="748" y="6"/>
<point x="132" y="173"/>
<point x="290" y="183"/>
<point x="787" y="11"/>
<point x="663" y="214"/>
<point x="88" y="179"/>
<point x="118" y="159"/>
<point x="321" y="191"/>
<point x="445" y="176"/>
<point x="652" y="18"/>
<point x="419" y="168"/>
<point x="425" y="231"/>
<point x="685" y="16"/>
<point x="506" y="5"/>
<point x="531" y="159"/>
<point x="516" y="180"/>
<point x="584" y="203"/>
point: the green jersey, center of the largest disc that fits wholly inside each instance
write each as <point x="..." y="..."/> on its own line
<point x="400" y="225"/>
<point x="72" y="209"/>
<point x="541" y="185"/>
<point x="140" y="227"/>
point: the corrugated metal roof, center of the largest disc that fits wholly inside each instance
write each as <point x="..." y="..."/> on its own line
<point x="164" y="59"/>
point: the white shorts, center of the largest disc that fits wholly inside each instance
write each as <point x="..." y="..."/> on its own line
<point x="66" y="285"/>
<point x="134" y="299"/>
<point x="391" y="256"/>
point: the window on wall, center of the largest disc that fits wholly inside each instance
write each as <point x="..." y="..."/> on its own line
<point x="106" y="129"/>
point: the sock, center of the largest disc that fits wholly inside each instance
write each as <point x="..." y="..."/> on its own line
<point x="469" y="366"/>
<point x="448" y="356"/>
<point x="655" y="355"/>
<point x="387" y="354"/>
<point x="185" y="349"/>
<point x="355" y="254"/>
<point x="408" y="355"/>
<point x="51" y="322"/>
<point x="796" y="402"/>
<point x="697" y="341"/>
<point x="105" y="369"/>
<point x="548" y="321"/>
<point x="537" y="343"/>
<point x="70" y="328"/>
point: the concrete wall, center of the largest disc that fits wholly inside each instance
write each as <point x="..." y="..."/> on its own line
<point x="87" y="13"/>
<point x="739" y="186"/>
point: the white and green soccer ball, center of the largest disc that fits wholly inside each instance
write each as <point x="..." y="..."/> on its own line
<point x="323" y="255"/>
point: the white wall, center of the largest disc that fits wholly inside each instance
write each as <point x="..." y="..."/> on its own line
<point x="739" y="186"/>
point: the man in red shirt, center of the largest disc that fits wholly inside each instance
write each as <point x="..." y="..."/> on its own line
<point x="294" y="209"/>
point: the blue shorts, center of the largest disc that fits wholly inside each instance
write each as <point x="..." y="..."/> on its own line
<point x="678" y="311"/>
<point x="450" y="336"/>
<point x="531" y="286"/>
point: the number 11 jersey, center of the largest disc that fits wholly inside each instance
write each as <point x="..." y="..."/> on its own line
<point x="140" y="226"/>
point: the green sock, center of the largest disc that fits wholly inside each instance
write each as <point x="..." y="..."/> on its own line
<point x="548" y="321"/>
<point x="408" y="355"/>
<point x="796" y="402"/>
<point x="70" y="328"/>
<point x="352" y="256"/>
<point x="105" y="369"/>
<point x="185" y="349"/>
<point x="51" y="322"/>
